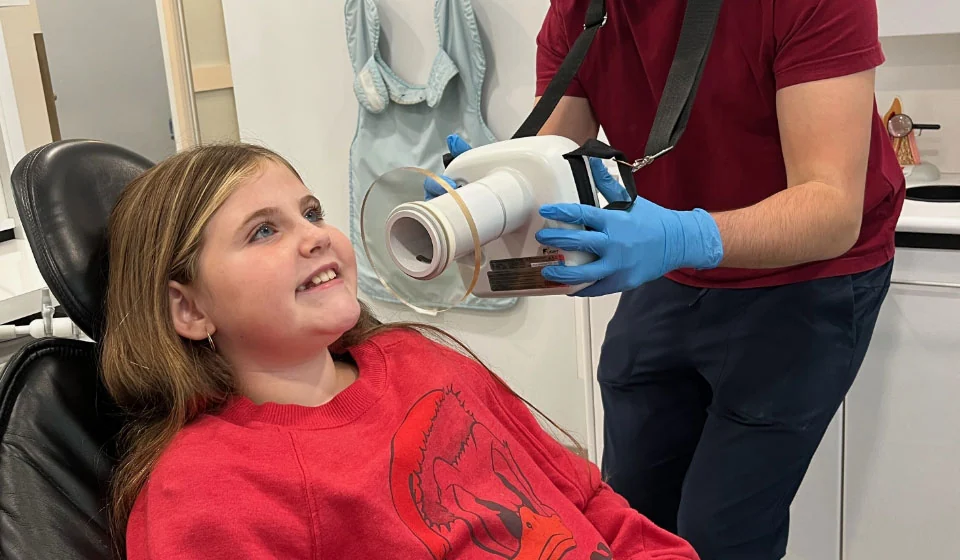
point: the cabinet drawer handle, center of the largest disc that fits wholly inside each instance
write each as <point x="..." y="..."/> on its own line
<point x="926" y="284"/>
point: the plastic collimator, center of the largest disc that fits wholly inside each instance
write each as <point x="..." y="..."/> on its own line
<point x="480" y="238"/>
<point x="427" y="255"/>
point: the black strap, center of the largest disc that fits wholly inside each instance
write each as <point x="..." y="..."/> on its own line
<point x="596" y="18"/>
<point x="581" y="177"/>
<point x="696" y="35"/>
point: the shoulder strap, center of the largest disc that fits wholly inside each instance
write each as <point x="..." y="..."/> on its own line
<point x="696" y="35"/>
<point x="596" y="18"/>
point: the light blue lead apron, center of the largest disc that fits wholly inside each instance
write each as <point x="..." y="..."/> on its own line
<point x="404" y="125"/>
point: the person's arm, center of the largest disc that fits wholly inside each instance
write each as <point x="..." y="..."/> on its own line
<point x="572" y="118"/>
<point x="825" y="133"/>
<point x="825" y="129"/>
<point x="824" y="69"/>
<point x="629" y="535"/>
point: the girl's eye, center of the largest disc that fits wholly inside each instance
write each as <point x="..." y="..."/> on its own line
<point x="263" y="231"/>
<point x="314" y="215"/>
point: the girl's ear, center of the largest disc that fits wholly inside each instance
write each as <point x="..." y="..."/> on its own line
<point x="188" y="319"/>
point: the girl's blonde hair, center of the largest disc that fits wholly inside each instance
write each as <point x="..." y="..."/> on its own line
<point x="161" y="380"/>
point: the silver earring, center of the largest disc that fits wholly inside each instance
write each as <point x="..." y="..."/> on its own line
<point x="210" y="340"/>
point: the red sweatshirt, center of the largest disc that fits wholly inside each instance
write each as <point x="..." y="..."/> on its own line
<point x="425" y="456"/>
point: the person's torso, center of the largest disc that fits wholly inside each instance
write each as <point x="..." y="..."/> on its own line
<point x="446" y="479"/>
<point x="730" y="154"/>
<point x="432" y="470"/>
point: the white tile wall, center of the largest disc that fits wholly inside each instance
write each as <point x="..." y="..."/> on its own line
<point x="924" y="71"/>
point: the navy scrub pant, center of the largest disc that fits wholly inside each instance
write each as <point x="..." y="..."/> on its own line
<point x="715" y="401"/>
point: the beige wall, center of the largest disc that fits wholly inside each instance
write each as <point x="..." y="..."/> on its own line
<point x="107" y="69"/>
<point x="208" y="47"/>
<point x="205" y="32"/>
<point x="207" y="41"/>
<point x="19" y="24"/>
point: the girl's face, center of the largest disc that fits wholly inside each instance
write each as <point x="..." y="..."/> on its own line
<point x="276" y="284"/>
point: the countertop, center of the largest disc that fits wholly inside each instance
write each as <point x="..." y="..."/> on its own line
<point x="931" y="217"/>
<point x="20" y="281"/>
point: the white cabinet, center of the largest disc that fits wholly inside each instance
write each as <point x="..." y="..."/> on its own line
<point x="918" y="17"/>
<point x="21" y="286"/>
<point x="601" y="311"/>
<point x="815" y="513"/>
<point x="902" y="460"/>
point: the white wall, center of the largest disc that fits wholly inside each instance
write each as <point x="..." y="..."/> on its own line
<point x="107" y="71"/>
<point x="925" y="72"/>
<point x="293" y="87"/>
<point x="920" y="17"/>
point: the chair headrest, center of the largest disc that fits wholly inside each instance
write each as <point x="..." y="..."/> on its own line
<point x="64" y="193"/>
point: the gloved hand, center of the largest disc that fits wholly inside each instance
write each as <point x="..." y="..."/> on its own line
<point x="634" y="246"/>
<point x="610" y="188"/>
<point x="456" y="146"/>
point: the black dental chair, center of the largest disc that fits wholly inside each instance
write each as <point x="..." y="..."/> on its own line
<point x="58" y="427"/>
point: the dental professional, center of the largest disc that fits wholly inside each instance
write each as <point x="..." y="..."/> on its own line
<point x="753" y="264"/>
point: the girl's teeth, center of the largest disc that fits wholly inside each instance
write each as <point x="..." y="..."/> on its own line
<point x="325" y="276"/>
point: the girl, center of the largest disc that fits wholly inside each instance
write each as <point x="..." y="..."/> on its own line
<point x="271" y="416"/>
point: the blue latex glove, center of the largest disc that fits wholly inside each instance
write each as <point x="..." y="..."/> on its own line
<point x="610" y="188"/>
<point x="456" y="146"/>
<point x="634" y="246"/>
